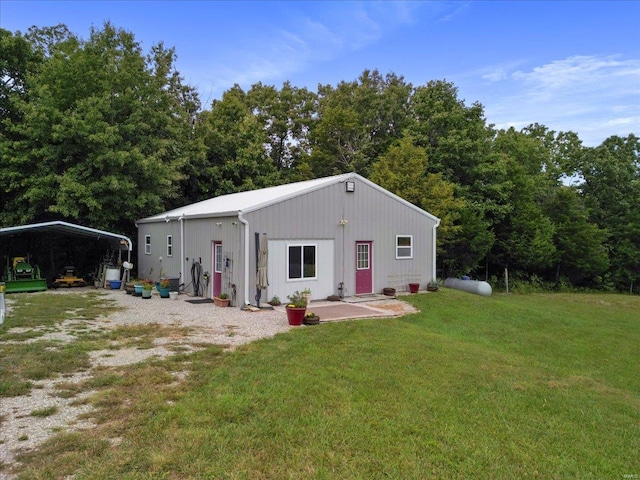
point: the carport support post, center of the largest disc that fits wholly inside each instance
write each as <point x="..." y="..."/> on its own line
<point x="258" y="289"/>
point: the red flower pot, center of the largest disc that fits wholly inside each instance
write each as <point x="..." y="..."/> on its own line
<point x="295" y="315"/>
<point x="413" y="287"/>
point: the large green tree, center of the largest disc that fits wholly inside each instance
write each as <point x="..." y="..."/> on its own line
<point x="524" y="234"/>
<point x="403" y="170"/>
<point x="236" y="158"/>
<point x="18" y="58"/>
<point x="357" y="122"/>
<point x="581" y="256"/>
<point x="286" y="116"/>
<point x="611" y="191"/>
<point x="458" y="143"/>
<point x="104" y="133"/>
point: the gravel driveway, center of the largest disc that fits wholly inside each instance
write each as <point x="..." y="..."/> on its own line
<point x="207" y="324"/>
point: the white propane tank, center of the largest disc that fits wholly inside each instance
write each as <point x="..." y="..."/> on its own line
<point x="470" y="286"/>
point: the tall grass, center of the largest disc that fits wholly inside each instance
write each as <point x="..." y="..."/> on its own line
<point x="539" y="386"/>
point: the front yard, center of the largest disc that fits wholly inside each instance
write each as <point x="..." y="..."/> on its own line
<point x="518" y="386"/>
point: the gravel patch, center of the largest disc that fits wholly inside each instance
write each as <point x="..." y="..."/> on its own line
<point x="207" y="324"/>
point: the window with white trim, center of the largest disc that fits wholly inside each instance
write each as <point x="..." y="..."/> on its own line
<point x="217" y="264"/>
<point x="404" y="246"/>
<point x="169" y="245"/>
<point x="301" y="261"/>
<point x="362" y="260"/>
<point x="147" y="244"/>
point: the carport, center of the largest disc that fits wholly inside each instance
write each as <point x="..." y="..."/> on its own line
<point x="23" y="235"/>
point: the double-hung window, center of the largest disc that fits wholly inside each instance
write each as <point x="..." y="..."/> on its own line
<point x="147" y="244"/>
<point x="404" y="246"/>
<point x="301" y="261"/>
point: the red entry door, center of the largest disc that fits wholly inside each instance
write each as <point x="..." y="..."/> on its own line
<point x="217" y="269"/>
<point x="364" y="268"/>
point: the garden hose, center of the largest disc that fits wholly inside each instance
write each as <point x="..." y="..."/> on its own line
<point x="196" y="273"/>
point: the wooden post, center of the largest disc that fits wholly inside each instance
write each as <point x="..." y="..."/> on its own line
<point x="506" y="278"/>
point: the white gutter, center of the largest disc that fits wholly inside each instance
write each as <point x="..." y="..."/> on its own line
<point x="246" y="257"/>
<point x="433" y="262"/>
<point x="181" y="220"/>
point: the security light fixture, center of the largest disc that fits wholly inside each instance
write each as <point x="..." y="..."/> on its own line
<point x="351" y="187"/>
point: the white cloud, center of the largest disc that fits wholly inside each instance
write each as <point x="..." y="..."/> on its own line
<point x="594" y="96"/>
<point x="306" y="40"/>
<point x="580" y="74"/>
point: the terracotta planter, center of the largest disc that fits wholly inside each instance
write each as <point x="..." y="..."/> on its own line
<point x="295" y="315"/>
<point x="221" y="302"/>
<point x="414" y="287"/>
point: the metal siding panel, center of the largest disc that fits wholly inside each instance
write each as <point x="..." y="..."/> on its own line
<point x="150" y="265"/>
<point x="370" y="214"/>
<point x="199" y="237"/>
<point x="321" y="287"/>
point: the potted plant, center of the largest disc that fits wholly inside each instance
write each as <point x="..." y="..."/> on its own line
<point x="306" y="294"/>
<point x="164" y="287"/>
<point x="311" y="318"/>
<point x="432" y="286"/>
<point x="296" y="308"/>
<point x="222" y="301"/>
<point x="147" y="285"/>
<point x="275" y="301"/>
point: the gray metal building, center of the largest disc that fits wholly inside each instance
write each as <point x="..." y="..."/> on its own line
<point x="336" y="235"/>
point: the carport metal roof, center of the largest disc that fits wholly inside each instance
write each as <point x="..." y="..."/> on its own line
<point x="116" y="241"/>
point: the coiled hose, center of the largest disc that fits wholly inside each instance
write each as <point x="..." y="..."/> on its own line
<point x="196" y="274"/>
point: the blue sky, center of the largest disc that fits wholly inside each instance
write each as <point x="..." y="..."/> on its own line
<point x="569" y="65"/>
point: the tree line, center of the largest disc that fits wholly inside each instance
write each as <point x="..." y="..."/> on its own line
<point x="98" y="132"/>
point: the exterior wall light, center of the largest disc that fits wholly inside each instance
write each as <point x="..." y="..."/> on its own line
<point x="350" y="187"/>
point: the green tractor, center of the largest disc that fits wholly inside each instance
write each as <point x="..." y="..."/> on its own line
<point x="20" y="276"/>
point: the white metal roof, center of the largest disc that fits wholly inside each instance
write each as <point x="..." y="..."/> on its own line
<point x="244" y="202"/>
<point x="250" y="200"/>
<point x="117" y="241"/>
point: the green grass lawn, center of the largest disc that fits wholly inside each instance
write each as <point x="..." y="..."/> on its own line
<point x="510" y="386"/>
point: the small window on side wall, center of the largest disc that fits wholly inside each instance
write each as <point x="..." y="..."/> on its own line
<point x="169" y="245"/>
<point x="404" y="246"/>
<point x="147" y="244"/>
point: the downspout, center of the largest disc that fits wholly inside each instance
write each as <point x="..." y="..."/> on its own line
<point x="433" y="262"/>
<point x="246" y="257"/>
<point x="181" y="220"/>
